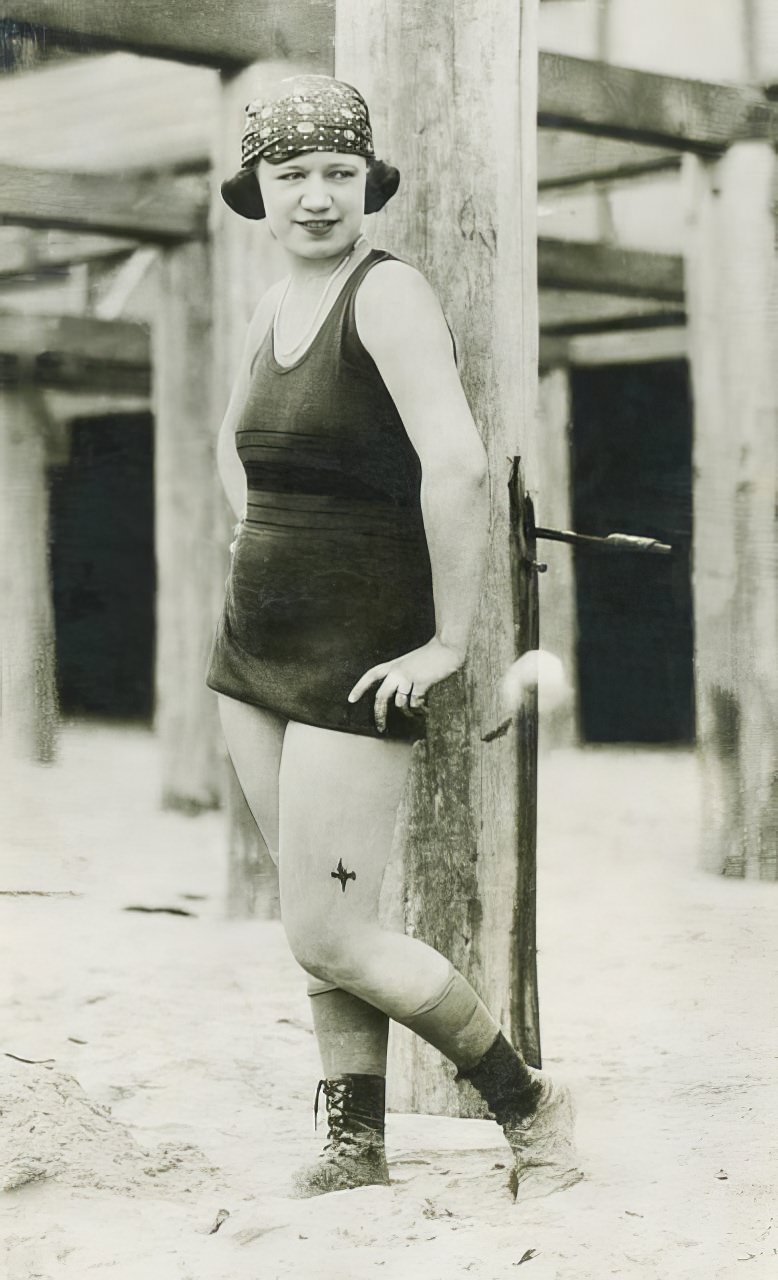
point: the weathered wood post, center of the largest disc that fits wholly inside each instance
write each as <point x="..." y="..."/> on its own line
<point x="452" y="91"/>
<point x="28" y="697"/>
<point x="558" y="623"/>
<point x="185" y="714"/>
<point x="732" y="284"/>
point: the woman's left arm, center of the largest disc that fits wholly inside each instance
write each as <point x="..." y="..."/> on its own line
<point x="401" y="324"/>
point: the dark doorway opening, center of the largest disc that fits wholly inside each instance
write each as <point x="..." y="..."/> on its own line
<point x="632" y="473"/>
<point x="103" y="572"/>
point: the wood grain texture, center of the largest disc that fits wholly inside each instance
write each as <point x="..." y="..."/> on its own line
<point x="27" y="658"/>
<point x="192" y="30"/>
<point x="558" y="615"/>
<point x="185" y="719"/>
<point x="618" y="102"/>
<point x="732" y="280"/>
<point x="452" y="92"/>
<point x="159" y="209"/>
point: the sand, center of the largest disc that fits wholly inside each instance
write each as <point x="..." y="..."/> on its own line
<point x="171" y="1091"/>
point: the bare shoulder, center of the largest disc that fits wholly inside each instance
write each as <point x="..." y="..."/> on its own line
<point x="396" y="306"/>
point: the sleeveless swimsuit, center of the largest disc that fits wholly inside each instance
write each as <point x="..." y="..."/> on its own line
<point x="330" y="573"/>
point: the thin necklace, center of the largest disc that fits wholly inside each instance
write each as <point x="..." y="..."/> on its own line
<point x="341" y="266"/>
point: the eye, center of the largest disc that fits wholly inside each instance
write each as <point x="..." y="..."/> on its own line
<point x="342" y="173"/>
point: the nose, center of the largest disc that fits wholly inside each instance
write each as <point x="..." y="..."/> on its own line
<point x="315" y="197"/>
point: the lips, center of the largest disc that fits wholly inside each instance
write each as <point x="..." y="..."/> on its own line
<point x="318" y="224"/>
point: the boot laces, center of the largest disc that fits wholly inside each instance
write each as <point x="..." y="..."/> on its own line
<point x="345" y="1122"/>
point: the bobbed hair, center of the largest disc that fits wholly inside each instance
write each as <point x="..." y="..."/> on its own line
<point x="243" y="195"/>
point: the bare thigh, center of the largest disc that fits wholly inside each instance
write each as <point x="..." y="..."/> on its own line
<point x="339" y="796"/>
<point x="255" y="738"/>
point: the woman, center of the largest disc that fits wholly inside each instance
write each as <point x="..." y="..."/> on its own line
<point x="350" y="455"/>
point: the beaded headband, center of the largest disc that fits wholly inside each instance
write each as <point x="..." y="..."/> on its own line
<point x="312" y="113"/>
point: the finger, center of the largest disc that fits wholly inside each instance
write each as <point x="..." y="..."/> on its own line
<point x="418" y="700"/>
<point x="386" y="691"/>
<point x="401" y="702"/>
<point x="365" y="681"/>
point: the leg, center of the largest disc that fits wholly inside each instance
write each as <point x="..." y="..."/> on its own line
<point x="339" y="795"/>
<point x="254" y="738"/>
<point x="351" y="1035"/>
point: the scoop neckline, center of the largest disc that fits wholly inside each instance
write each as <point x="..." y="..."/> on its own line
<point x="287" y="368"/>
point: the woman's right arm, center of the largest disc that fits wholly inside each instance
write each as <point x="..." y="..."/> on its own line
<point x="229" y="465"/>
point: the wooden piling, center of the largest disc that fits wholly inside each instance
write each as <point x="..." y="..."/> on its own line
<point x="185" y="717"/>
<point x="732" y="301"/>
<point x="28" y="699"/>
<point x="452" y="94"/>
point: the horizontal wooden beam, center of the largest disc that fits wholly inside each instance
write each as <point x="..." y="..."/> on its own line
<point x="567" y="159"/>
<point x="226" y="35"/>
<point x="573" y="325"/>
<point x="27" y="252"/>
<point x="158" y="209"/>
<point x="74" y="351"/>
<point x="618" y="102"/>
<point x="642" y="346"/>
<point x="600" y="268"/>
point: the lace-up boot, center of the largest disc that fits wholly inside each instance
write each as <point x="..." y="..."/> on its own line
<point x="353" y="1154"/>
<point x="536" y="1115"/>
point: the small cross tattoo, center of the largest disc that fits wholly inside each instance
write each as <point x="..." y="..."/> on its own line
<point x="343" y="875"/>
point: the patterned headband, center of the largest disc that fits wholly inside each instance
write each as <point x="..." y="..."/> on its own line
<point x="315" y="113"/>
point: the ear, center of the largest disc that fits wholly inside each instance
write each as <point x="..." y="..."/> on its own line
<point x="381" y="183"/>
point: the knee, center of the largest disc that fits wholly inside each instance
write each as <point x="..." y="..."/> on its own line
<point x="331" y="954"/>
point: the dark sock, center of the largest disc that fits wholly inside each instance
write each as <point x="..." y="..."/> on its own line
<point x="503" y="1080"/>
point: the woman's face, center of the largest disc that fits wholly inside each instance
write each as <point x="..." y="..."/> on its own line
<point x="315" y="203"/>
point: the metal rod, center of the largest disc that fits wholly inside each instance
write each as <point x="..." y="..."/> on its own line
<point x="614" y="541"/>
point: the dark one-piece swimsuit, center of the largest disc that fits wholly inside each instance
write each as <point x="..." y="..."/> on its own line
<point x="330" y="573"/>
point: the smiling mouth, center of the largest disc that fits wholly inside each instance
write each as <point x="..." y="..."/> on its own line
<point x="318" y="223"/>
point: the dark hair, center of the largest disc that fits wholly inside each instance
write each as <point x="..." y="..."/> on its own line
<point x="243" y="195"/>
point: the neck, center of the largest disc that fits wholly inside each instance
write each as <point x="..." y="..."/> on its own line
<point x="316" y="270"/>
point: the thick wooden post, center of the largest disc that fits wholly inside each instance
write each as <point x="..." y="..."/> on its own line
<point x="732" y="281"/>
<point x="452" y="93"/>
<point x="246" y="262"/>
<point x="28" y="700"/>
<point x="184" y="464"/>
<point x="557" y="586"/>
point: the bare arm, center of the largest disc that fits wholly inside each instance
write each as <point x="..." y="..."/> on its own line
<point x="231" y="472"/>
<point x="401" y="324"/>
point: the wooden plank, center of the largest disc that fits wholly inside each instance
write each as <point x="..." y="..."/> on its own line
<point x="618" y="102"/>
<point x="185" y="716"/>
<point x="113" y="114"/>
<point x="431" y="84"/>
<point x="147" y="208"/>
<point x="27" y="662"/>
<point x="76" y="351"/>
<point x="191" y="30"/>
<point x="604" y="268"/>
<point x="24" y="252"/>
<point x="732" y="273"/>
<point x="567" y="312"/>
<point x="567" y="159"/>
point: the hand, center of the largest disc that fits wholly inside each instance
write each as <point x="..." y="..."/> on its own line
<point x="405" y="680"/>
